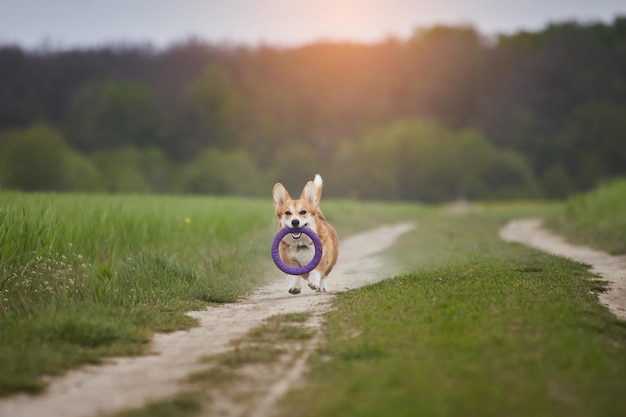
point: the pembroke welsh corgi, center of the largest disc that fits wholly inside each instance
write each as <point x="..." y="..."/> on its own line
<point x="297" y="249"/>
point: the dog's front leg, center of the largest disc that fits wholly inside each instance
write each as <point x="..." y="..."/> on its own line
<point x="323" y="286"/>
<point x="314" y="280"/>
<point x="294" y="284"/>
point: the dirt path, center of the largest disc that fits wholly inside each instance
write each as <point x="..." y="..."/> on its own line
<point x="611" y="268"/>
<point x="130" y="382"/>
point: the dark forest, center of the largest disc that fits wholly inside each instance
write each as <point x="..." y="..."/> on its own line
<point x="443" y="115"/>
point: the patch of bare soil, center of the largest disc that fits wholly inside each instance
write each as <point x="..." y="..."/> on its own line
<point x="610" y="268"/>
<point x="130" y="382"/>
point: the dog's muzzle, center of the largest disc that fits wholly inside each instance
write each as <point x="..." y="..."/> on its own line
<point x="298" y="235"/>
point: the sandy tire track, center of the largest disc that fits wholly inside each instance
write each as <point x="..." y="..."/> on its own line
<point x="130" y="382"/>
<point x="610" y="268"/>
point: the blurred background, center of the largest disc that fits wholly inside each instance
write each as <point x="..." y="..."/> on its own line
<point x="387" y="99"/>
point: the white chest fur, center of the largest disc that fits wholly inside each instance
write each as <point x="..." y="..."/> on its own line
<point x="301" y="250"/>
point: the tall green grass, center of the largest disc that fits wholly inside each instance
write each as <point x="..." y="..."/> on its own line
<point x="85" y="276"/>
<point x="597" y="218"/>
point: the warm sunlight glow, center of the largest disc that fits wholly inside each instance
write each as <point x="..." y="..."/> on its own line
<point x="347" y="19"/>
<point x="334" y="20"/>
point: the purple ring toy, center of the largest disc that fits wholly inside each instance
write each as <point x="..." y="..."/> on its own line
<point x="293" y="270"/>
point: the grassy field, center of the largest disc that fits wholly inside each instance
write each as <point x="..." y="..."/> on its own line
<point x="478" y="327"/>
<point x="474" y="326"/>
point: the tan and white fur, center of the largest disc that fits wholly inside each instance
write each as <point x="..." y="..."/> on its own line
<point x="297" y="249"/>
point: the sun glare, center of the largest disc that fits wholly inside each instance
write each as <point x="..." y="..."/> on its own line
<point x="349" y="18"/>
<point x="361" y="20"/>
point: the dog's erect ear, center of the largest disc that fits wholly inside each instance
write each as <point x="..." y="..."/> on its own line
<point x="309" y="194"/>
<point x="280" y="195"/>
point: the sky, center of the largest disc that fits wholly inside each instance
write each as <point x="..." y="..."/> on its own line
<point x="72" y="23"/>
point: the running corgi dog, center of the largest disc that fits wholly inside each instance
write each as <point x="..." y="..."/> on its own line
<point x="297" y="249"/>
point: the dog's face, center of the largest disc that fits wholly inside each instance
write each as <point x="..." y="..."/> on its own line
<point x="296" y="213"/>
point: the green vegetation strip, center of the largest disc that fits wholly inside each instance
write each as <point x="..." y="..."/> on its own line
<point x="262" y="345"/>
<point x="185" y="405"/>
<point x="478" y="327"/>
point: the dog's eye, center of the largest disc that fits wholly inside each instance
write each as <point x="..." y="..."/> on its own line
<point x="288" y="213"/>
<point x="302" y="212"/>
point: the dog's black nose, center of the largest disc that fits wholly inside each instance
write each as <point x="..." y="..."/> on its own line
<point x="295" y="222"/>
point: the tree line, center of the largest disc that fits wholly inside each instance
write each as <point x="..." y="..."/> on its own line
<point x="446" y="113"/>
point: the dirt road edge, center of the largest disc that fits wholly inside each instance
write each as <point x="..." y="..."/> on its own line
<point x="531" y="232"/>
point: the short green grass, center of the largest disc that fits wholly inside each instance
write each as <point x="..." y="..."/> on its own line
<point x="597" y="218"/>
<point x="185" y="405"/>
<point x="476" y="327"/>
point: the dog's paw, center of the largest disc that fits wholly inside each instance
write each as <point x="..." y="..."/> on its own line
<point x="294" y="284"/>
<point x="314" y="284"/>
<point x="323" y="287"/>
